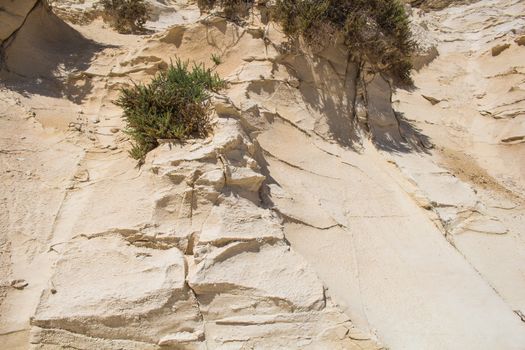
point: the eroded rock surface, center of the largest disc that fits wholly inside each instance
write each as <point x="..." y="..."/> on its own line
<point x="13" y="15"/>
<point x="106" y="288"/>
<point x="326" y="210"/>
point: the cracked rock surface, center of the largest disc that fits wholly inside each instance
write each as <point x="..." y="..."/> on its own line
<point x="327" y="210"/>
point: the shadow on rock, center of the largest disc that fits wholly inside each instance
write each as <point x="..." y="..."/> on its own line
<point x="407" y="139"/>
<point x="327" y="83"/>
<point x="37" y="58"/>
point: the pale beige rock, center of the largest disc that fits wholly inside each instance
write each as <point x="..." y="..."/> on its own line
<point x="109" y="289"/>
<point x="486" y="225"/>
<point x="479" y="131"/>
<point x="258" y="273"/>
<point x="50" y="45"/>
<point x="316" y="215"/>
<point x="237" y="219"/>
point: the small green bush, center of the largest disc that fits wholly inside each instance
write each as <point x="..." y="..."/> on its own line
<point x="233" y="9"/>
<point x="375" y="30"/>
<point x="127" y="16"/>
<point x="216" y="59"/>
<point x="175" y="105"/>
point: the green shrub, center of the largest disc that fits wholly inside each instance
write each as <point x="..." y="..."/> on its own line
<point x="233" y="9"/>
<point x="127" y="16"/>
<point x="216" y="59"/>
<point x="375" y="30"/>
<point x="175" y="105"/>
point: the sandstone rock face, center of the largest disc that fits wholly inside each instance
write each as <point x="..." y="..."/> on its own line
<point x="56" y="46"/>
<point x="327" y="210"/>
<point x="437" y="4"/>
<point x="478" y="123"/>
<point x="106" y="288"/>
<point x="12" y="16"/>
<point x="163" y="13"/>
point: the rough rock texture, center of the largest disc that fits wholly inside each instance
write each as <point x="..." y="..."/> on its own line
<point x="326" y="211"/>
<point x="56" y="47"/>
<point x="163" y="13"/>
<point x="13" y="15"/>
<point x="478" y="186"/>
<point x="437" y="4"/>
<point x="106" y="288"/>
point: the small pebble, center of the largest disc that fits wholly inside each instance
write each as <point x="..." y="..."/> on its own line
<point x="114" y="130"/>
<point x="19" y="284"/>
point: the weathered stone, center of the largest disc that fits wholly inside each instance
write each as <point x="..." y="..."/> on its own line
<point x="520" y="41"/>
<point x="109" y="289"/>
<point x="238" y="219"/>
<point x="256" y="274"/>
<point x="19" y="284"/>
<point x="496" y="50"/>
